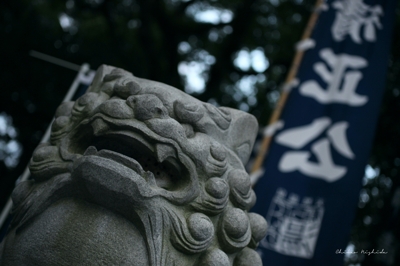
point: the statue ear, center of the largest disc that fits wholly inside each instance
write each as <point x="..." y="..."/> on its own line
<point x="242" y="133"/>
<point x="98" y="78"/>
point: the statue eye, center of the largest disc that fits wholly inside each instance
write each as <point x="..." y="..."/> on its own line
<point x="189" y="131"/>
<point x="188" y="113"/>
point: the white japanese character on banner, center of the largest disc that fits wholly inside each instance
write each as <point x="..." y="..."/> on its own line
<point x="294" y="224"/>
<point x="324" y="168"/>
<point x="351" y="16"/>
<point x="342" y="79"/>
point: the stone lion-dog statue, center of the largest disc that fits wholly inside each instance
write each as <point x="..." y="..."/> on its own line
<point x="138" y="173"/>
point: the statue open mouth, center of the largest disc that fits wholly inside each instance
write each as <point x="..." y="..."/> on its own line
<point x="132" y="151"/>
<point x="131" y="143"/>
<point x="151" y="165"/>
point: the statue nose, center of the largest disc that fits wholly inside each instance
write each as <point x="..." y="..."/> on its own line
<point x="146" y="107"/>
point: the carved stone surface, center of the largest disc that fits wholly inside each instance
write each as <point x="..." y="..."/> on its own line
<point x="138" y="173"/>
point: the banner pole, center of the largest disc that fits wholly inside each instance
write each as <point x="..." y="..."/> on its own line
<point x="304" y="44"/>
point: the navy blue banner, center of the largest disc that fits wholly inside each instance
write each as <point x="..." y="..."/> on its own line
<point x="315" y="165"/>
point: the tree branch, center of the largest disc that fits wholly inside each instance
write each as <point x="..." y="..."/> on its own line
<point x="223" y="66"/>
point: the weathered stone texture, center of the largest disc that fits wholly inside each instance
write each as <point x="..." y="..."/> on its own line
<point x="138" y="173"/>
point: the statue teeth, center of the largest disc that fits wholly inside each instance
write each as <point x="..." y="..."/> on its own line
<point x="164" y="151"/>
<point x="91" y="150"/>
<point x="99" y="127"/>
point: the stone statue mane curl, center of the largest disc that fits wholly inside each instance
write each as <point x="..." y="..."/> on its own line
<point x="138" y="173"/>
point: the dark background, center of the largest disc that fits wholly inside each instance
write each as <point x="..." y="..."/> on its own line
<point x="159" y="40"/>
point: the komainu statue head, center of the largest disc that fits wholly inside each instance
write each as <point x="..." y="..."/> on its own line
<point x="138" y="173"/>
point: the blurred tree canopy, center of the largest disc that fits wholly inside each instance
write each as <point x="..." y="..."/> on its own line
<point x="228" y="52"/>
